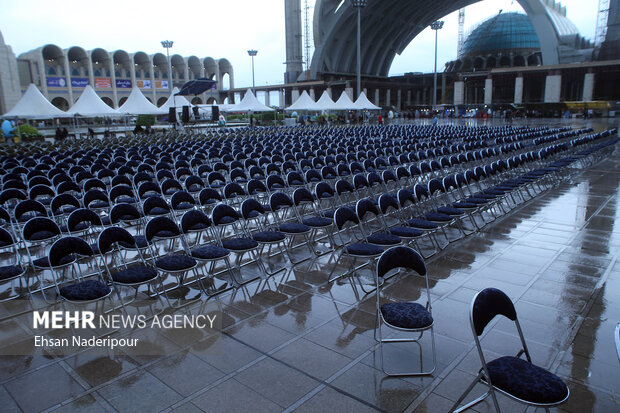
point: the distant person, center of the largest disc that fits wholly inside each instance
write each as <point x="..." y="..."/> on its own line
<point x="91" y="133"/>
<point x="435" y="120"/>
<point x="7" y="130"/>
<point x="380" y="119"/>
<point x="138" y="129"/>
<point x="58" y="134"/>
<point x="65" y="133"/>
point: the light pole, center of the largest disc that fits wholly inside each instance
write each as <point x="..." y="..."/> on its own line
<point x="253" y="53"/>
<point x="359" y="4"/>
<point x="436" y="25"/>
<point x="168" y="44"/>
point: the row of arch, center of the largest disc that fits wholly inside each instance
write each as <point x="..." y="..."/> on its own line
<point x="473" y="63"/>
<point x="100" y="62"/>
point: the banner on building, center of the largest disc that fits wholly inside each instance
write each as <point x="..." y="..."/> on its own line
<point x="56" y="82"/>
<point x="103" y="82"/>
<point x="123" y="83"/>
<point x="79" y="81"/>
<point x="143" y="84"/>
<point x="161" y="84"/>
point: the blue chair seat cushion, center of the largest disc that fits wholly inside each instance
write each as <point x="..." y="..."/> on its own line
<point x="526" y="381"/>
<point x="10" y="271"/>
<point x="180" y="262"/>
<point x="450" y="211"/>
<point x="422" y="224"/>
<point x="44" y="262"/>
<point x="364" y="250"/>
<point x="382" y="238"/>
<point x="226" y="220"/>
<point x="406" y="315"/>
<point x="125" y="200"/>
<point x="465" y="205"/>
<point x="495" y="191"/>
<point x="135" y="275"/>
<point x="158" y="211"/>
<point x="253" y="214"/>
<point x="165" y="234"/>
<point x="317" y="222"/>
<point x="239" y="244"/>
<point x="484" y="195"/>
<point x="438" y="217"/>
<point x="184" y="206"/>
<point x="85" y="291"/>
<point x="294" y="228"/>
<point x="41" y="235"/>
<point x="268" y="236"/>
<point x="407" y="232"/>
<point x="477" y="200"/>
<point x="141" y="242"/>
<point x="198" y="226"/>
<point x="98" y="204"/>
<point x="209" y="252"/>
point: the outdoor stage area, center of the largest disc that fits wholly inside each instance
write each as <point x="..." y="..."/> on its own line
<point x="293" y="341"/>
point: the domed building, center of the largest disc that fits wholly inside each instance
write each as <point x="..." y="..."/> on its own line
<point x="506" y="40"/>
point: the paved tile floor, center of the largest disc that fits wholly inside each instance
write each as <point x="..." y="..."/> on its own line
<point x="298" y="343"/>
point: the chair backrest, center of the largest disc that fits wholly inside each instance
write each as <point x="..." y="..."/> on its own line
<point x="224" y="214"/>
<point x="155" y="202"/>
<point x="114" y="235"/>
<point x="387" y="201"/>
<point x="162" y="228"/>
<point x="194" y="221"/>
<point x="279" y="200"/>
<point x="83" y="216"/>
<point x="344" y="215"/>
<point x="181" y="197"/>
<point x="67" y="246"/>
<point x="486" y="305"/>
<point x="251" y="208"/>
<point x="124" y="212"/>
<point x="400" y="257"/>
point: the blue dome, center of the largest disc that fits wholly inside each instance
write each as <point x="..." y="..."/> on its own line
<point x="504" y="33"/>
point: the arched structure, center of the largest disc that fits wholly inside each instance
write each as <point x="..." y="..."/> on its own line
<point x="388" y="26"/>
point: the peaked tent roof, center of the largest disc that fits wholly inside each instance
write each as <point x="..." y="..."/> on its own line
<point x="175" y="101"/>
<point x="249" y="103"/>
<point x="137" y="104"/>
<point x="89" y="104"/>
<point x="362" y="103"/>
<point x="344" y="102"/>
<point x="33" y="105"/>
<point x="303" y="102"/>
<point x="325" y="102"/>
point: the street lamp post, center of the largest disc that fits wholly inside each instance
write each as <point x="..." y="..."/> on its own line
<point x="359" y="4"/>
<point x="253" y="53"/>
<point x="167" y="44"/>
<point x="436" y="25"/>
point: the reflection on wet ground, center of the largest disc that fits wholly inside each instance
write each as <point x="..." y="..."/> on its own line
<point x="298" y="343"/>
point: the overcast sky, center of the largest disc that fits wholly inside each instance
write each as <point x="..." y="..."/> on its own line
<point x="219" y="29"/>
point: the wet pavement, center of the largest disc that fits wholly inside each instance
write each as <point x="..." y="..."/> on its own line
<point x="295" y="342"/>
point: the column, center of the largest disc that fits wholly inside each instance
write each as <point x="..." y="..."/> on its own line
<point x="282" y="103"/>
<point x="553" y="88"/>
<point x="295" y="94"/>
<point x="518" y="90"/>
<point x="365" y="90"/>
<point x="388" y="95"/>
<point x="488" y="91"/>
<point x="267" y="97"/>
<point x="376" y="102"/>
<point x="459" y="90"/>
<point x="409" y="97"/>
<point x="67" y="77"/>
<point x="588" y="87"/>
<point x="113" y="80"/>
<point x="312" y="94"/>
<point x="399" y="96"/>
<point x="418" y="95"/>
<point x="329" y="92"/>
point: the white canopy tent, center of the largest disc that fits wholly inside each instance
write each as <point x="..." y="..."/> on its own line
<point x="325" y="102"/>
<point x="362" y="103"/>
<point x="33" y="105"/>
<point x="344" y="102"/>
<point x="137" y="104"/>
<point x="175" y="102"/>
<point x="249" y="103"/>
<point x="303" y="102"/>
<point x="91" y="105"/>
